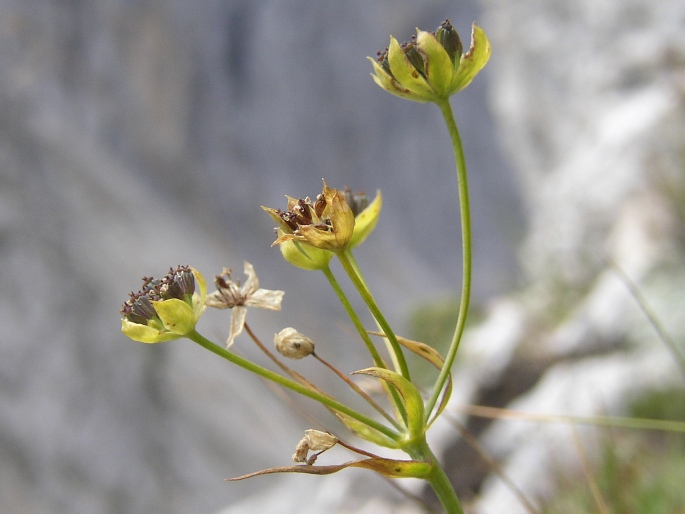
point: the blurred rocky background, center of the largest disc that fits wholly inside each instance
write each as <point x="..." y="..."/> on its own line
<point x="135" y="136"/>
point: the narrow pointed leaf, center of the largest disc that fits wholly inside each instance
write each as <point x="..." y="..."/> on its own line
<point x="366" y="432"/>
<point x="388" y="467"/>
<point x="395" y="468"/>
<point x="433" y="356"/>
<point x="413" y="403"/>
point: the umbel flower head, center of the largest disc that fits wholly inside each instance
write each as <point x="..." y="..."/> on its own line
<point x="307" y="256"/>
<point x="365" y="218"/>
<point x="431" y="67"/>
<point x="230" y="294"/>
<point x="326" y="224"/>
<point x="165" y="309"/>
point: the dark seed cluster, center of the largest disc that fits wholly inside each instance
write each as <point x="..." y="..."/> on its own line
<point x="306" y="213"/>
<point x="445" y="34"/>
<point x="177" y="283"/>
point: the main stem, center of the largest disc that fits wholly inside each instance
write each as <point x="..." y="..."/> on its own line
<point x="465" y="212"/>
<point x="437" y="478"/>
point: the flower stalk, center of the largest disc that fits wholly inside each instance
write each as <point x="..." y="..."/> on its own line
<point x="357" y="390"/>
<point x="377" y="360"/>
<point x="290" y="384"/>
<point x="360" y="285"/>
<point x="466" y="245"/>
<point x="437" y="478"/>
<point x="335" y="285"/>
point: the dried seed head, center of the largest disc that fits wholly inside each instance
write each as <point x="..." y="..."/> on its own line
<point x="293" y="345"/>
<point x="166" y="308"/>
<point x="316" y="441"/>
<point x="178" y="283"/>
<point x="320" y="441"/>
<point x="326" y="224"/>
<point x="301" y="451"/>
<point x="230" y="294"/>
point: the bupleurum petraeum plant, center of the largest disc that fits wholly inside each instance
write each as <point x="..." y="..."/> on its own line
<point x="310" y="233"/>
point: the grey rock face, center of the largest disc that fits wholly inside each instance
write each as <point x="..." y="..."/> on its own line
<point x="135" y="136"/>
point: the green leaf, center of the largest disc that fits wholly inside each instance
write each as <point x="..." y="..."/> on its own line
<point x="413" y="403"/>
<point x="433" y="356"/>
<point x="388" y="467"/>
<point x="395" y="468"/>
<point x="366" y="432"/>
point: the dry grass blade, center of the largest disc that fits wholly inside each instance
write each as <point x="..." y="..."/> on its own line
<point x="649" y="314"/>
<point x="587" y="473"/>
<point x="492" y="464"/>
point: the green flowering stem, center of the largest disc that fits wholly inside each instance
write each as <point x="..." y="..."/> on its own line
<point x="292" y="385"/>
<point x="443" y="488"/>
<point x="346" y="259"/>
<point x="377" y="360"/>
<point x="437" y="478"/>
<point x="465" y="212"/>
<point x="358" y="271"/>
<point x="398" y="402"/>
